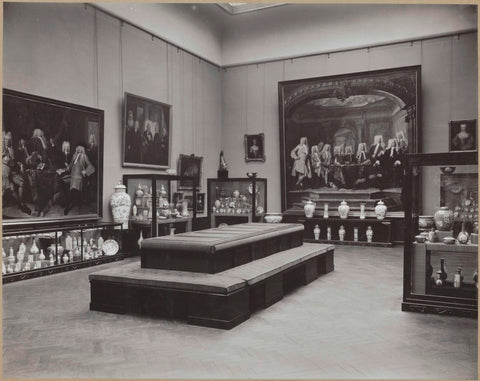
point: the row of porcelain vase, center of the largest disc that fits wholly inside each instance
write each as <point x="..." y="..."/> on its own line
<point x="344" y="210"/>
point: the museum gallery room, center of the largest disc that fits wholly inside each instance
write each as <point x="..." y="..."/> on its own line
<point x="239" y="191"/>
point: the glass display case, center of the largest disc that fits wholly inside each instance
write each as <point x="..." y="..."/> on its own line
<point x="157" y="206"/>
<point x="232" y="201"/>
<point x="441" y="236"/>
<point x="32" y="253"/>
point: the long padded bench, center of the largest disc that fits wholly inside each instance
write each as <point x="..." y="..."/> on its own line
<point x="218" y="249"/>
<point x="221" y="300"/>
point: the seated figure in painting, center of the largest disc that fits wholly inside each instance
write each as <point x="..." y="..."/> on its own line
<point x="301" y="165"/>
<point x="40" y="150"/>
<point x="375" y="153"/>
<point x="349" y="156"/>
<point x="364" y="169"/>
<point x="12" y="174"/>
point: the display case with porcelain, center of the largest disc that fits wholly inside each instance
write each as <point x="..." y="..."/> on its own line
<point x="441" y="248"/>
<point x="232" y="201"/>
<point x="159" y="207"/>
<point x="44" y="251"/>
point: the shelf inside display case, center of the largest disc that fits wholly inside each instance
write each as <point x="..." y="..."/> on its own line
<point x="232" y="201"/>
<point x="32" y="253"/>
<point x="441" y="248"/>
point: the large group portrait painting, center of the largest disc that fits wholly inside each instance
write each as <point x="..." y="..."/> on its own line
<point x="348" y="134"/>
<point x="51" y="159"/>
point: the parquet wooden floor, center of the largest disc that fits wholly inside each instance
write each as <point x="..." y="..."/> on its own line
<point x="345" y="325"/>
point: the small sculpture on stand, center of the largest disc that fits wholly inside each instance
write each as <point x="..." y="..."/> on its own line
<point x="355" y="234"/>
<point x="329" y="233"/>
<point x="341" y="233"/>
<point x="316" y="232"/>
<point x="222" y="172"/>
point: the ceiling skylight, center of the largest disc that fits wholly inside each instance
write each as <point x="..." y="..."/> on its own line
<point x="236" y="8"/>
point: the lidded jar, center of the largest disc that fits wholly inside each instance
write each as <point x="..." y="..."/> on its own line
<point x="309" y="209"/>
<point x="120" y="203"/>
<point x="380" y="210"/>
<point x="343" y="210"/>
<point x="443" y="218"/>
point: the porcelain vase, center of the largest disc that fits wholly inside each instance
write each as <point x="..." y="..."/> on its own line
<point x="380" y="210"/>
<point x="316" y="232"/>
<point x="362" y="211"/>
<point x="463" y="235"/>
<point x="443" y="218"/>
<point x="341" y="233"/>
<point x="369" y="234"/>
<point x="325" y="211"/>
<point x="120" y="203"/>
<point x="309" y="209"/>
<point x="343" y="210"/>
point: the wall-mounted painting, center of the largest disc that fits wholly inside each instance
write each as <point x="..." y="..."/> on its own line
<point x="255" y="147"/>
<point x="463" y="135"/>
<point x="52" y="160"/>
<point x="200" y="202"/>
<point x="147" y="132"/>
<point x="348" y="134"/>
<point x="189" y="165"/>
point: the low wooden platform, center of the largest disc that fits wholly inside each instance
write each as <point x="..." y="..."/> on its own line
<point x="218" y="249"/>
<point x="221" y="300"/>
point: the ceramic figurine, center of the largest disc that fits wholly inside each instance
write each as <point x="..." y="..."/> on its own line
<point x="65" y="258"/>
<point x="10" y="269"/>
<point x="20" y="255"/>
<point x="74" y="243"/>
<point x="30" y="258"/>
<point x="18" y="267"/>
<point x="163" y="192"/>
<point x="22" y="249"/>
<point x="52" y="261"/>
<point x="60" y="249"/>
<point x="343" y="210"/>
<point x="309" y="209"/>
<point x="134" y="212"/>
<point x="463" y="235"/>
<point x="120" y="203"/>
<point x="369" y="234"/>
<point x="26" y="268"/>
<point x="236" y="193"/>
<point x="86" y="256"/>
<point x="140" y="239"/>
<point x="34" y="248"/>
<point x="100" y="243"/>
<point x="41" y="257"/>
<point x="355" y="234"/>
<point x="69" y="242"/>
<point x="362" y="211"/>
<point x="341" y="233"/>
<point x="70" y="256"/>
<point x="329" y="233"/>
<point x="3" y="253"/>
<point x="443" y="218"/>
<point x="11" y="258"/>
<point x="380" y="210"/>
<point x="217" y="204"/>
<point x="325" y="211"/>
<point x="432" y="236"/>
<point x="316" y="232"/>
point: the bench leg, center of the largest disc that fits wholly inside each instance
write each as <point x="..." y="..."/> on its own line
<point x="218" y="311"/>
<point x="325" y="263"/>
<point x="311" y="270"/>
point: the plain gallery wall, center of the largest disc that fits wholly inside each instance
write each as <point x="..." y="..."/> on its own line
<point x="77" y="54"/>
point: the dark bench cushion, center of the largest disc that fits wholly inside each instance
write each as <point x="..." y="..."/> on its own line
<point x="132" y="273"/>
<point x="211" y="240"/>
<point x="263" y="268"/>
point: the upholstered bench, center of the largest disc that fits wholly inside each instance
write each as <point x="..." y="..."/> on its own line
<point x="221" y="300"/>
<point x="218" y="249"/>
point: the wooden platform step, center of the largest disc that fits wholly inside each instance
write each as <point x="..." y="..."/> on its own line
<point x="221" y="300"/>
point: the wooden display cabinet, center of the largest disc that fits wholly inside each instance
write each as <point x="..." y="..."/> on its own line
<point x="427" y="190"/>
<point x="236" y="203"/>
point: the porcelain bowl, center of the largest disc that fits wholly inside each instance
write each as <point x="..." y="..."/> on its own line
<point x="274" y="218"/>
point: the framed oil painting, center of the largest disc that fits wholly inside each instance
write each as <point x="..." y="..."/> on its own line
<point x="147" y="132"/>
<point x="52" y="167"/>
<point x="348" y="134"/>
<point x="200" y="202"/>
<point x="189" y="165"/>
<point x="463" y="135"/>
<point x="255" y="147"/>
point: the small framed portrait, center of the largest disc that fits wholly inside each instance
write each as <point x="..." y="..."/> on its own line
<point x="463" y="135"/>
<point x="200" y="202"/>
<point x="255" y="147"/>
<point x="177" y="197"/>
<point x="189" y="165"/>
